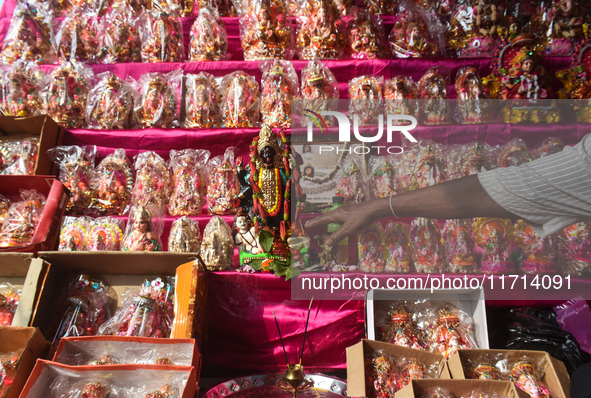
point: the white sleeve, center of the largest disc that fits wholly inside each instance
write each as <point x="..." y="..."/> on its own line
<point x="550" y="193"/>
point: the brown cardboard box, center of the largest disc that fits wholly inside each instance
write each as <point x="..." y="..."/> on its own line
<point x="555" y="374"/>
<point x="461" y="388"/>
<point x="142" y="378"/>
<point x="46" y="234"/>
<point x="356" y="354"/>
<point x="16" y="269"/>
<point x="13" y="338"/>
<point x="49" y="133"/>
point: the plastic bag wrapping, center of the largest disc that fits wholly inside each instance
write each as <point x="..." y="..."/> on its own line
<point x="217" y="245"/>
<point x="450" y="329"/>
<point x="64" y="7"/>
<point x="562" y="26"/>
<point x="209" y="41"/>
<point x="157" y="102"/>
<point x="538" y="255"/>
<point x="537" y="329"/>
<point x="76" y="165"/>
<point x="241" y="100"/>
<point x="30" y="35"/>
<point x="25" y="84"/>
<point x="184" y="236"/>
<point x="471" y="158"/>
<point x="397" y="248"/>
<point x="74" y="234"/>
<point x="119" y="38"/>
<point x="366" y="37"/>
<point x="279" y="88"/>
<point x="8" y="367"/>
<point x="224" y="7"/>
<point x="437" y="392"/>
<point x="319" y="90"/>
<point x="103" y="352"/>
<point x="365" y="93"/>
<point x="223" y="186"/>
<point x="400" y="94"/>
<point x="161" y="34"/>
<point x="203" y="101"/>
<point x="574" y="245"/>
<point x="145" y="312"/>
<point x="23" y="217"/>
<point x="9" y="299"/>
<point x="264" y="31"/>
<point x="113" y="184"/>
<point x="81" y="309"/>
<point x="4" y="206"/>
<point x="110" y="103"/>
<point x="574" y="316"/>
<point x="152" y="181"/>
<point x="144" y="229"/>
<point x="432" y="88"/>
<point x="20" y="157"/>
<point x="371" y="249"/>
<point x="458" y="239"/>
<point x="399" y="327"/>
<point x="321" y="35"/>
<point x="549" y="146"/>
<point x="105" y="234"/>
<point x="77" y="37"/>
<point x="487" y="366"/>
<point x="418" y="32"/>
<point x="188" y="181"/>
<point x="527" y="376"/>
<point x="382" y="177"/>
<point x="379" y="7"/>
<point x="351" y="182"/>
<point x="423" y="167"/>
<point x="473" y="104"/>
<point x="425" y="245"/>
<point x="495" y="238"/>
<point x="514" y="153"/>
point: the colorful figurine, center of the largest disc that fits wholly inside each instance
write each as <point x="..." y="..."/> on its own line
<point x="485" y="371"/>
<point x="382" y="181"/>
<point x="77" y="38"/>
<point x="538" y="254"/>
<point x="184" y="236"/>
<point x="351" y="185"/>
<point x="224" y="7"/>
<point x="366" y="37"/>
<point x="279" y="87"/>
<point x="161" y="34"/>
<point x="105" y="234"/>
<point x="379" y="7"/>
<point x="459" y="246"/>
<point x="74" y="234"/>
<point x="577" y="81"/>
<point x="365" y="93"/>
<point x="429" y="169"/>
<point x="565" y="27"/>
<point x="208" y="37"/>
<point x="20" y="157"/>
<point x="95" y="390"/>
<point x="188" y="182"/>
<point x="411" y="370"/>
<point x="320" y="36"/>
<point x="203" y="101"/>
<point x="381" y="377"/>
<point x="158" y="100"/>
<point x="164" y="392"/>
<point x="402" y="330"/>
<point x="432" y="91"/>
<point x="494" y="236"/>
<point x="514" y="153"/>
<point x="23" y="96"/>
<point x="113" y="184"/>
<point x="23" y="217"/>
<point x="473" y="159"/>
<point x="426" y="247"/>
<point x="264" y="32"/>
<point x="119" y="39"/>
<point x="411" y="36"/>
<point x="319" y="90"/>
<point x="450" y="333"/>
<point x="549" y="146"/>
<point x="523" y="375"/>
<point x="473" y="105"/>
<point x="371" y="254"/>
<point x="576" y="248"/>
<point x="152" y="181"/>
<point x="65" y="98"/>
<point x="9" y="299"/>
<point x="217" y="247"/>
<point x="241" y="103"/>
<point x="4" y="206"/>
<point x="223" y="186"/>
<point x="401" y="96"/>
<point x="246" y="237"/>
<point x="110" y="104"/>
<point x="142" y="234"/>
<point x="397" y="243"/>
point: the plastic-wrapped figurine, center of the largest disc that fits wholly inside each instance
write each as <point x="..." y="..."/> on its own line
<point x="351" y="186"/>
<point x="225" y="7"/>
<point x="184" y="236"/>
<point x="23" y="96"/>
<point x="473" y="159"/>
<point x="396" y="243"/>
<point x="371" y="250"/>
<point x="410" y="369"/>
<point x="433" y="96"/>
<point x="76" y="166"/>
<point x="30" y="34"/>
<point x="95" y="390"/>
<point x="65" y="98"/>
<point x="577" y="81"/>
<point x="382" y="179"/>
<point x="245" y="237"/>
<point x="538" y="254"/>
<point x="576" y="248"/>
<point x="381" y="376"/>
<point x="265" y="32"/>
<point x="379" y="7"/>
<point x="412" y="37"/>
<point x="152" y="182"/>
<point x="77" y="38"/>
<point x="426" y="247"/>
<point x="105" y="234"/>
<point x="223" y="186"/>
<point x="319" y="89"/>
<point x="241" y="102"/>
<point x="143" y="230"/>
<point x="279" y="87"/>
<point x="402" y="330"/>
<point x="459" y="246"/>
<point x="524" y="376"/>
<point x="74" y="234"/>
<point x="366" y="37"/>
<point x="494" y="236"/>
<point x="320" y="35"/>
<point x="484" y="370"/>
<point x="401" y="96"/>
<point x="430" y="168"/>
<point x="4" y="206"/>
<point x="110" y="104"/>
<point x="208" y="37"/>
<point x="217" y="246"/>
<point x="474" y="28"/>
<point x="565" y="27"/>
<point x="549" y="146"/>
<point x="158" y="94"/>
<point x="164" y="392"/>
<point x="23" y="217"/>
<point x="21" y="157"/>
<point x="81" y="310"/>
<point x="365" y="93"/>
<point x="472" y="106"/>
<point x="188" y="182"/>
<point x="161" y="34"/>
<point x="450" y="333"/>
<point x="515" y="153"/>
<point x="203" y="101"/>
<point x="119" y="39"/>
<point x="9" y="299"/>
<point x="113" y="184"/>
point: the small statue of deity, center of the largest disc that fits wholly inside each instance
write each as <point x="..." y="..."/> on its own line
<point x="73" y="234"/>
<point x="224" y="7"/>
<point x="549" y="146"/>
<point x="241" y="100"/>
<point x="351" y="185"/>
<point x="264" y="33"/>
<point x="77" y="38"/>
<point x="158" y="100"/>
<point x="401" y="96"/>
<point x="217" y="246"/>
<point x="537" y="253"/>
<point x="576" y="248"/>
<point x="472" y="106"/>
<point x="450" y="333"/>
<point x="565" y="28"/>
<point x="371" y="254"/>
<point x="119" y="39"/>
<point x="113" y="184"/>
<point x="319" y="90"/>
<point x="410" y="369"/>
<point x="495" y="238"/>
<point x="426" y="247"/>
<point x="23" y="93"/>
<point x="65" y="99"/>
<point x="365" y="93"/>
<point x="524" y="376"/>
<point x="105" y="234"/>
<point x="202" y="101"/>
<point x="94" y="390"/>
<point x="577" y="81"/>
<point x="411" y="37"/>
<point x="397" y="251"/>
<point x="514" y="153"/>
<point x="188" y="181"/>
<point x="161" y="34"/>
<point x="382" y="181"/>
<point x="320" y="36"/>
<point x="209" y="41"/>
<point x="429" y="169"/>
<point x="484" y="370"/>
<point x="111" y="104"/>
<point x="473" y="159"/>
<point x="402" y="330"/>
<point x="460" y="246"/>
<point x="366" y="37"/>
<point x="152" y="180"/>
<point x="223" y="187"/>
<point x="246" y="238"/>
<point x="22" y="220"/>
<point x="184" y="236"/>
<point x="432" y="92"/>
<point x="280" y="87"/>
<point x="382" y="377"/>
<point x="142" y="236"/>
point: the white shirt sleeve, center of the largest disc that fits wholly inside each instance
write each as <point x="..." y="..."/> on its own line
<point x="550" y="193"/>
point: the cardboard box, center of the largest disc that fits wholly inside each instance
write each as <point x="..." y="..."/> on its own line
<point x="356" y="354"/>
<point x="120" y="270"/>
<point x="13" y="338"/>
<point x="555" y="377"/>
<point x="461" y="388"/>
<point x="471" y="301"/>
<point x="142" y="378"/>
<point x="78" y="351"/>
<point x="16" y="269"/>
<point x="46" y="236"/>
<point x="49" y="133"/>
